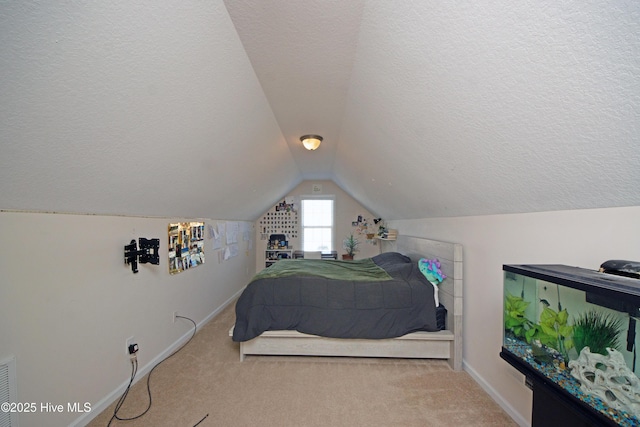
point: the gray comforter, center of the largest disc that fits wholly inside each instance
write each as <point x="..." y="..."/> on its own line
<point x="392" y="302"/>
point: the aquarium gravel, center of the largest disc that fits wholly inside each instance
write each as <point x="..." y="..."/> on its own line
<point x="556" y="372"/>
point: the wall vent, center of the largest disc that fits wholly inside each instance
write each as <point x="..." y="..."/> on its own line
<point x="8" y="391"/>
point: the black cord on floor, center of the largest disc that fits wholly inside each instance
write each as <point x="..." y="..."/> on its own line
<point x="134" y="370"/>
<point x="198" y="423"/>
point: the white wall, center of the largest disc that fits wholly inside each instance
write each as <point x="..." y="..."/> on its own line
<point x="68" y="303"/>
<point x="583" y="238"/>
<point x="346" y="210"/>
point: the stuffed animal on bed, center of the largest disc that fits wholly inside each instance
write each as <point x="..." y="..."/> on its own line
<point x="431" y="270"/>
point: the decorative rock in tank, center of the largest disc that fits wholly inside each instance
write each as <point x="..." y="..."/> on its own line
<point x="608" y="378"/>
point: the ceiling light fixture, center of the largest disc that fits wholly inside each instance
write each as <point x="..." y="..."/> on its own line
<point x="311" y="142"/>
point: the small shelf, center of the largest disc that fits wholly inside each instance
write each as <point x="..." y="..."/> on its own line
<point x="391" y="237"/>
<point x="274" y="255"/>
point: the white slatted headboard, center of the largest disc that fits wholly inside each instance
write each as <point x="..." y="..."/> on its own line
<point x="450" y="295"/>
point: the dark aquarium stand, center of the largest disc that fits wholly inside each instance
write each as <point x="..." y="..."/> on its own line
<point x="553" y="404"/>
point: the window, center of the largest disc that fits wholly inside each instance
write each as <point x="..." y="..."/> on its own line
<point x="317" y="225"/>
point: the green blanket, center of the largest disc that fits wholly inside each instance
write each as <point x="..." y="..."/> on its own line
<point x="358" y="270"/>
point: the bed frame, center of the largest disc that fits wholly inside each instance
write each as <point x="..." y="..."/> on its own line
<point x="446" y="344"/>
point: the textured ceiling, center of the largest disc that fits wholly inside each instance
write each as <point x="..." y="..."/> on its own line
<point x="428" y="109"/>
<point x="449" y="109"/>
<point x="302" y="53"/>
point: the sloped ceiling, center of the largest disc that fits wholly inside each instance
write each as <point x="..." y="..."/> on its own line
<point x="302" y="53"/>
<point x="144" y="108"/>
<point x="453" y="109"/>
<point x="428" y="109"/>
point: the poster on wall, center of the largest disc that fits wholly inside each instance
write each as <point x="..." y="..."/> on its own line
<point x="280" y="219"/>
<point x="186" y="246"/>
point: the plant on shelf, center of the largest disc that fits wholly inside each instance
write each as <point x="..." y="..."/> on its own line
<point x="369" y="231"/>
<point x="597" y="330"/>
<point x="382" y="228"/>
<point x="366" y="228"/>
<point x="350" y="245"/>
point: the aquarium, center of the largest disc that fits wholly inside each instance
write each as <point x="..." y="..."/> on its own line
<point x="575" y="330"/>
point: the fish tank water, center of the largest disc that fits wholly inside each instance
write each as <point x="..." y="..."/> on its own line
<point x="575" y="329"/>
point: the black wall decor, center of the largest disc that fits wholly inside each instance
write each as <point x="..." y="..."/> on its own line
<point x="148" y="253"/>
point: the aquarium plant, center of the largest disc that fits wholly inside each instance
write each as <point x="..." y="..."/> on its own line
<point x="515" y="321"/>
<point x="596" y="330"/>
<point x="552" y="331"/>
<point x="555" y="332"/>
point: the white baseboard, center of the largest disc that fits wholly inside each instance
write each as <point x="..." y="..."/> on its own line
<point x="105" y="402"/>
<point x="519" y="419"/>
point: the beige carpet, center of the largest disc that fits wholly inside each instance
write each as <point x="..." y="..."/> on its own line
<point x="207" y="379"/>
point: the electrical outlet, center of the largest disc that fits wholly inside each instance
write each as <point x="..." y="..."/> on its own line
<point x="130" y="340"/>
<point x="175" y="314"/>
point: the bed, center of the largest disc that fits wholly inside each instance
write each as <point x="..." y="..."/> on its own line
<point x="330" y="340"/>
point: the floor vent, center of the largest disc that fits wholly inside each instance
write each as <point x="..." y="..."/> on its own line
<point x="8" y="391"/>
